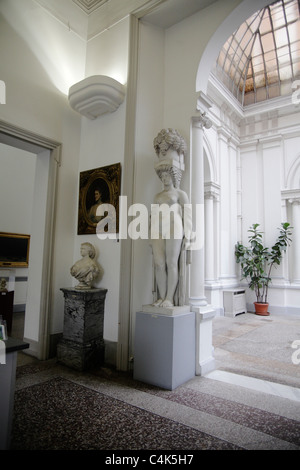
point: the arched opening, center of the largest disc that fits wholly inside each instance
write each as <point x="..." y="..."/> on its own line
<point x="243" y="11"/>
<point x="255" y="163"/>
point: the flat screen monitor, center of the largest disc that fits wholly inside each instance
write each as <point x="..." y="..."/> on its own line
<point x="14" y="250"/>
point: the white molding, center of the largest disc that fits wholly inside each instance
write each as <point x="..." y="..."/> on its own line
<point x="88" y="6"/>
<point x="245" y="114"/>
<point x="221" y="94"/>
<point x="102" y="19"/>
<point x="125" y="299"/>
<point x="96" y="95"/>
<point x="27" y="140"/>
<point x="290" y="194"/>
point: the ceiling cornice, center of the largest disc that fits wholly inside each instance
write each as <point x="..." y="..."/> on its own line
<point x="88" y="6"/>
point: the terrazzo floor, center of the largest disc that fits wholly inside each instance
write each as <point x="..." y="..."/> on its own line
<point x="251" y="401"/>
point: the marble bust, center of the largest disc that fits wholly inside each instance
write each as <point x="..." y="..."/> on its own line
<point x="86" y="270"/>
<point x="169" y="249"/>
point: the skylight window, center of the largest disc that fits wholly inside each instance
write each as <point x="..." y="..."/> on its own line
<point x="261" y="59"/>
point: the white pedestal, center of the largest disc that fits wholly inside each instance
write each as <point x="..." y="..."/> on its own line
<point x="205" y="361"/>
<point x="164" y="353"/>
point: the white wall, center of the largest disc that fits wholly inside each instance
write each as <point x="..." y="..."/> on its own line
<point x="150" y="111"/>
<point x="41" y="55"/>
<point x="270" y="192"/>
<point x="16" y="189"/>
<point x="101" y="144"/>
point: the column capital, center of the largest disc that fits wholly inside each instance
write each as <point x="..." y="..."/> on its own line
<point x="202" y="121"/>
<point x="211" y="191"/>
<point x="294" y="201"/>
<point x="291" y="195"/>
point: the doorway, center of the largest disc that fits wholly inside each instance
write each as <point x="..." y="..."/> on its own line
<point x="38" y="306"/>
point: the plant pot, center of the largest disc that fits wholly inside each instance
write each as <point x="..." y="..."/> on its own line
<point x="261" y="308"/>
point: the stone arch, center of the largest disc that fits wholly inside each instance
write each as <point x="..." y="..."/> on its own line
<point x="210" y="168"/>
<point x="293" y="175"/>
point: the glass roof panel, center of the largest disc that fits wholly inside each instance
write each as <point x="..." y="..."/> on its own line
<point x="268" y="42"/>
<point x="264" y="53"/>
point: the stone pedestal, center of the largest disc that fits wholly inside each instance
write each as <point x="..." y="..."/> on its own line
<point x="82" y="345"/>
<point x="164" y="353"/>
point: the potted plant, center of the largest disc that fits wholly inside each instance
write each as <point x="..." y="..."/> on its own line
<point x="257" y="262"/>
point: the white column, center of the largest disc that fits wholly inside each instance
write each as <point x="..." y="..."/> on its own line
<point x="233" y="236"/>
<point x="296" y="239"/>
<point x="204" y="313"/>
<point x="209" y="237"/>
<point x="225" y="209"/>
<point x="197" y="294"/>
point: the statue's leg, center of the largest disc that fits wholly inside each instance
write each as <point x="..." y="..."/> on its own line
<point x="159" y="256"/>
<point x="172" y="254"/>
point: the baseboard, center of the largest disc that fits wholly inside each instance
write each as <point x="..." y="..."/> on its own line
<point x="33" y="347"/>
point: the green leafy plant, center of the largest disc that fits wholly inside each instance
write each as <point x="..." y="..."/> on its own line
<point x="257" y="260"/>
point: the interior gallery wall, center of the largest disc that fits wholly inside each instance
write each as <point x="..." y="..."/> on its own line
<point x="36" y="104"/>
<point x="251" y="159"/>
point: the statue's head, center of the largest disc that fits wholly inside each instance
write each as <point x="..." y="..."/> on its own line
<point x="172" y="170"/>
<point x="89" y="248"/>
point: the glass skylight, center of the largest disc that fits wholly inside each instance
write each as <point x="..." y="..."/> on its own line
<point x="262" y="58"/>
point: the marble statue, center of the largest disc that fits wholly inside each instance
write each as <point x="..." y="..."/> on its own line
<point x="86" y="270"/>
<point x="168" y="248"/>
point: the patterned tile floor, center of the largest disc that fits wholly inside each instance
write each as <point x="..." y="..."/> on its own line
<point x="251" y="401"/>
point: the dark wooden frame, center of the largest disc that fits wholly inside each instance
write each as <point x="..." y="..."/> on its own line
<point x="108" y="180"/>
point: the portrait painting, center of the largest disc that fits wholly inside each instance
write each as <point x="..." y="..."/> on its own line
<point x="98" y="187"/>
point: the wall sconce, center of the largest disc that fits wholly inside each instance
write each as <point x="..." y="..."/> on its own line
<point x="96" y="95"/>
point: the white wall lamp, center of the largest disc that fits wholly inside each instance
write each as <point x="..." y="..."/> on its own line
<point x="96" y="95"/>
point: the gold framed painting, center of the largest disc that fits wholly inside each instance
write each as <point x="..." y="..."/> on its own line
<point x="97" y="187"/>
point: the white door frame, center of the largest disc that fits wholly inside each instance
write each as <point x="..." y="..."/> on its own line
<point x="31" y="142"/>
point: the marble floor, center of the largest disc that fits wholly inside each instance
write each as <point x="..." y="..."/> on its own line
<point x="255" y="349"/>
<point x="249" y="350"/>
<point x="250" y="401"/>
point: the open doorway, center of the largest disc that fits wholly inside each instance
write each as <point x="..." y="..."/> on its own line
<point x="38" y="302"/>
<point x="16" y="203"/>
